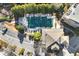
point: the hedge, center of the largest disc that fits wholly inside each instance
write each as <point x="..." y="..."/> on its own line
<point x="20" y="10"/>
<point x="5" y="18"/>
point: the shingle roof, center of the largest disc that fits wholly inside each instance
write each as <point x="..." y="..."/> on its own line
<point x="54" y="34"/>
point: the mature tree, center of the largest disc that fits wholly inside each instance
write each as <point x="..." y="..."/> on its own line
<point x="18" y="10"/>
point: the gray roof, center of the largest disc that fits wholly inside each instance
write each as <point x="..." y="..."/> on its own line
<point x="73" y="13"/>
<point x="53" y="35"/>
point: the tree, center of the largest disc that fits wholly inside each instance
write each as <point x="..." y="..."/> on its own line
<point x="37" y="36"/>
<point x="20" y="28"/>
<point x="61" y="9"/>
<point x="18" y="10"/>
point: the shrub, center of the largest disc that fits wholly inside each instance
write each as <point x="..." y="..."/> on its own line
<point x="0" y="44"/>
<point x="13" y="48"/>
<point x="5" y="18"/>
<point x="20" y="28"/>
<point x="37" y="36"/>
<point x="21" y="52"/>
<point x="3" y="44"/>
<point x="29" y="53"/>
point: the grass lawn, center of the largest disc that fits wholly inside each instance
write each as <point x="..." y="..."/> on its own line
<point x="76" y="30"/>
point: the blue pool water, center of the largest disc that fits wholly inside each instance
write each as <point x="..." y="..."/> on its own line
<point x="39" y="21"/>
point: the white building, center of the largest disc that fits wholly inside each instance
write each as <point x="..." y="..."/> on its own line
<point x="72" y="16"/>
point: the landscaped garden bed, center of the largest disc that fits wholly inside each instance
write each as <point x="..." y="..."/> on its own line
<point x="5" y="18"/>
<point x="20" y="28"/>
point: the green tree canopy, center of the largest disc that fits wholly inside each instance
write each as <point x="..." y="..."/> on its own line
<point x="37" y="36"/>
<point x="20" y="10"/>
<point x="32" y="8"/>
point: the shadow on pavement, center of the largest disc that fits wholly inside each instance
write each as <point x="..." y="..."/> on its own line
<point x="21" y="37"/>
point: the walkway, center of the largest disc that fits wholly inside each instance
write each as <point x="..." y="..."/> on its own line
<point x="10" y="26"/>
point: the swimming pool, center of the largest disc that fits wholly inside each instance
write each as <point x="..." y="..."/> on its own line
<point x="39" y="21"/>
